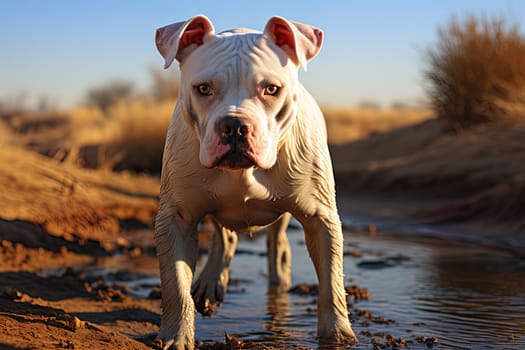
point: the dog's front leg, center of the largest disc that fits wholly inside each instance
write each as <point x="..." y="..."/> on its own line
<point x="324" y="240"/>
<point x="210" y="287"/>
<point x="177" y="248"/>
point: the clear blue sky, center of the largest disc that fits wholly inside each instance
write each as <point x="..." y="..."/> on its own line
<point x="372" y="49"/>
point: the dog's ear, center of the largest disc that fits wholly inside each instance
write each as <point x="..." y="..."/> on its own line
<point x="178" y="40"/>
<point x="301" y="42"/>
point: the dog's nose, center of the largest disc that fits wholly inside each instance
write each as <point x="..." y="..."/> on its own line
<point x="232" y="130"/>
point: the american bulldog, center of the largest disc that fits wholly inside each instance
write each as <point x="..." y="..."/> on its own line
<point x="246" y="147"/>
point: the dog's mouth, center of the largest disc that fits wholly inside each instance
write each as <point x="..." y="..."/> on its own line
<point x="235" y="161"/>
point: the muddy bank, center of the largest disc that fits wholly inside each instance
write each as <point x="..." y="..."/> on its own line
<point x="55" y="221"/>
<point x="73" y="204"/>
<point x="472" y="181"/>
<point x="67" y="311"/>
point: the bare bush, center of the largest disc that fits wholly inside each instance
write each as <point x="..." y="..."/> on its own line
<point x="476" y="71"/>
<point x="165" y="86"/>
<point x="13" y="105"/>
<point x="105" y="96"/>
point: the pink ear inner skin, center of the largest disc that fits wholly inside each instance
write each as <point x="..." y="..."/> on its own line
<point x="193" y="35"/>
<point x="283" y="36"/>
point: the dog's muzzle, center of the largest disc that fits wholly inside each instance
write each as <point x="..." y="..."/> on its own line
<point x="235" y="132"/>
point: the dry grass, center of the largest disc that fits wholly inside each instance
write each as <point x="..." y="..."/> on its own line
<point x="353" y="123"/>
<point x="476" y="71"/>
<point x="117" y="128"/>
<point x="130" y="134"/>
<point x="139" y="131"/>
<point x="89" y="125"/>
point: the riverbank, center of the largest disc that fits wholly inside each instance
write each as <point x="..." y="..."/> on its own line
<point x="471" y="184"/>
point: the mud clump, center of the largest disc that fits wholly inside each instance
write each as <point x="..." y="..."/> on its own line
<point x="428" y="341"/>
<point x="368" y="316"/>
<point x="354" y="293"/>
<point x="233" y="343"/>
<point x="110" y="294"/>
<point x="76" y="323"/>
<point x="389" y="341"/>
<point x="304" y="289"/>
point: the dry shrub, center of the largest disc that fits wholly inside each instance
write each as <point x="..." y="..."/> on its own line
<point x="106" y="95"/>
<point x="121" y="130"/>
<point x="139" y="131"/>
<point x="5" y="134"/>
<point x="88" y="125"/>
<point x="476" y="71"/>
<point x="128" y="136"/>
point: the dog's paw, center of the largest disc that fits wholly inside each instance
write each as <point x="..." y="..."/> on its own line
<point x="173" y="343"/>
<point x="177" y="332"/>
<point x="339" y="332"/>
<point x="208" y="293"/>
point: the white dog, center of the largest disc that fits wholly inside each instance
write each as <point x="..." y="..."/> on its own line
<point x="246" y="146"/>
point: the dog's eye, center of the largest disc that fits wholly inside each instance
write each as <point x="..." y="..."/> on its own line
<point x="204" y="89"/>
<point x="271" y="90"/>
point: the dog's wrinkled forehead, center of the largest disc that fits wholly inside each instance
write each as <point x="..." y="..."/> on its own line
<point x="239" y="31"/>
<point x="236" y="54"/>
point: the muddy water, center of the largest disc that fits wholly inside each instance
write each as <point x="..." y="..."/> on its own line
<point x="427" y="291"/>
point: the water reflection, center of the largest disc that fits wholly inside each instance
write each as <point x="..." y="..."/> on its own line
<point x="480" y="272"/>
<point x="478" y="299"/>
<point x="278" y="317"/>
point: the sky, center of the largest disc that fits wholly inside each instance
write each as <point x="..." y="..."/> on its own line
<point x="372" y="50"/>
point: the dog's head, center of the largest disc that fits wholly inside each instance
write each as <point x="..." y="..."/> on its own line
<point x="239" y="88"/>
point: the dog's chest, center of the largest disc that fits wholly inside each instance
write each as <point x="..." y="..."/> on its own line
<point x="244" y="202"/>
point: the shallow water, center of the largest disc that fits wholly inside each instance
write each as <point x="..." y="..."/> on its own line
<point x="466" y="296"/>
